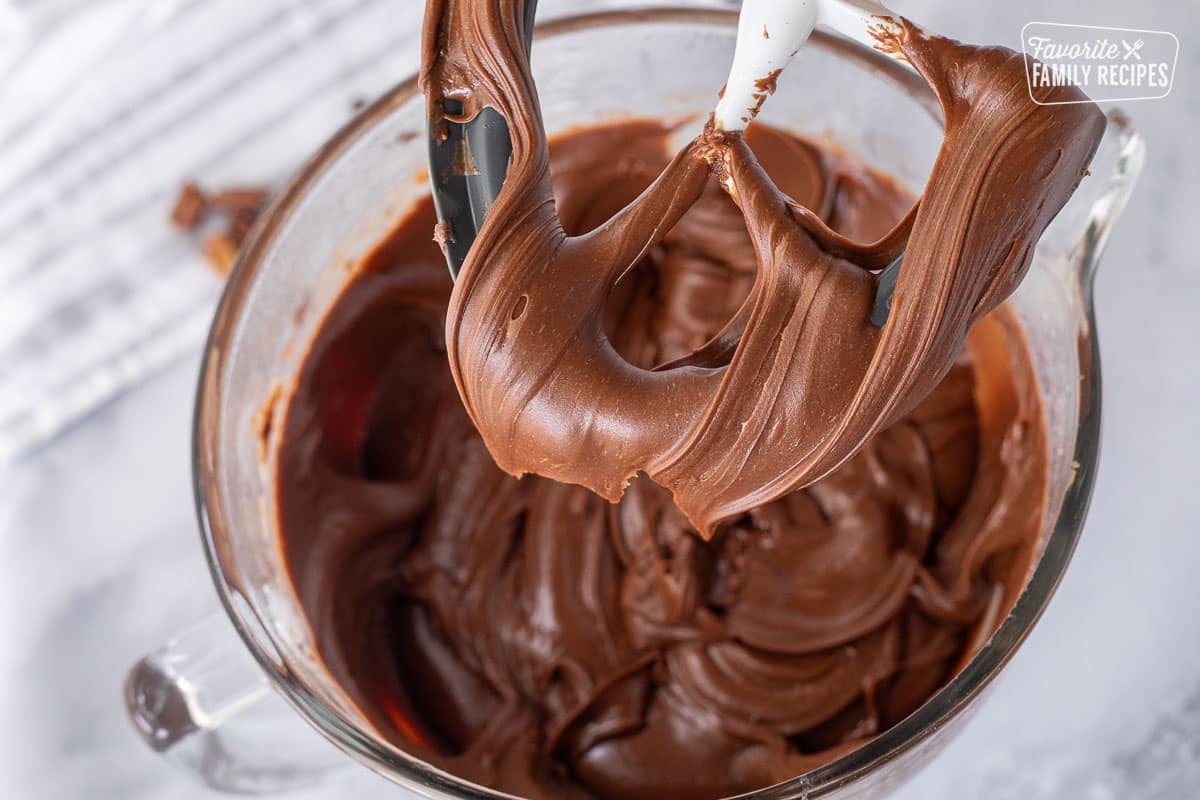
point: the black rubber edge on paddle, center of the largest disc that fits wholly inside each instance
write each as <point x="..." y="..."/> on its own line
<point x="467" y="169"/>
<point x="884" y="292"/>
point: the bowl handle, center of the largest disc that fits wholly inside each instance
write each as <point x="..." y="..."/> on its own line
<point x="1079" y="234"/>
<point x="202" y="702"/>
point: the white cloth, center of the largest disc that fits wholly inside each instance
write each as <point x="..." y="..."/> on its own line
<point x="105" y="108"/>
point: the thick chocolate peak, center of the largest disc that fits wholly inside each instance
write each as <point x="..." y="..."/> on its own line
<point x="798" y="381"/>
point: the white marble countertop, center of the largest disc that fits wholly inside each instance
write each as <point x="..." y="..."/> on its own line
<point x="100" y="560"/>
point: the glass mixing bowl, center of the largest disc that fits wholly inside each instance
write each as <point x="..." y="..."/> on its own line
<point x="200" y="700"/>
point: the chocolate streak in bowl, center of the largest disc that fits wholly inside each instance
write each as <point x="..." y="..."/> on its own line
<point x="529" y="636"/>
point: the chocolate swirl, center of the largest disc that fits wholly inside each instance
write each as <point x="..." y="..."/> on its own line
<point x="529" y="636"/>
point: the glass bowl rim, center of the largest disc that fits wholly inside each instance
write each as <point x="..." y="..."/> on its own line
<point x="407" y="770"/>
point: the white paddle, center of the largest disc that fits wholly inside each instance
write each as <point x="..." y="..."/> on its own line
<point x="771" y="32"/>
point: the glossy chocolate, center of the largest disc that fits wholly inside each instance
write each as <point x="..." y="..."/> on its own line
<point x="530" y="636"/>
<point x="798" y="380"/>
